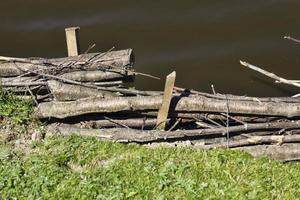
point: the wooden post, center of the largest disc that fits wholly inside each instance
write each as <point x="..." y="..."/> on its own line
<point x="164" y="109"/>
<point x="73" y="41"/>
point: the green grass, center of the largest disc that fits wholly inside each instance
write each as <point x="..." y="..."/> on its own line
<point x="85" y="168"/>
<point x="12" y="107"/>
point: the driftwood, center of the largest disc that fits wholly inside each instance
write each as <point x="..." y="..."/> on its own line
<point x="93" y="61"/>
<point x="196" y="104"/>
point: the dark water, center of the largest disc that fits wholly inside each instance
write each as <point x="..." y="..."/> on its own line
<point x="202" y="40"/>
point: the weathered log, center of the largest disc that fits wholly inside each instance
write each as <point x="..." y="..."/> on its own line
<point x="214" y="116"/>
<point x="94" y="105"/>
<point x="110" y="123"/>
<point x="21" y="82"/>
<point x="130" y="135"/>
<point x="109" y="83"/>
<point x="238" y="97"/>
<point x="137" y="123"/>
<point x="192" y="104"/>
<point x="209" y="142"/>
<point x="94" y="76"/>
<point x="285" y="152"/>
<point x="257" y="140"/>
<point x="92" y="61"/>
<point x="67" y="92"/>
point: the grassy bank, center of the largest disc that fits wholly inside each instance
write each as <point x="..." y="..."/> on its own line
<point x="84" y="168"/>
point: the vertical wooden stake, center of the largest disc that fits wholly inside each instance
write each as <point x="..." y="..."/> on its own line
<point x="164" y="109"/>
<point x="73" y="41"/>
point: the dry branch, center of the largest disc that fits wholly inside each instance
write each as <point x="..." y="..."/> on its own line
<point x="271" y="75"/>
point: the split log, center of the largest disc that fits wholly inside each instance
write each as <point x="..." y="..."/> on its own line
<point x="131" y="135"/>
<point x="184" y="104"/>
<point x="93" y="61"/>
<point x="167" y="97"/>
<point x="68" y="92"/>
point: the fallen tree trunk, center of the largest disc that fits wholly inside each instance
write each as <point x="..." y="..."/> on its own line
<point x="22" y="82"/>
<point x="110" y="123"/>
<point x="184" y="104"/>
<point x="257" y="140"/>
<point x="130" y="135"/>
<point x="93" y="61"/>
<point x="285" y="152"/>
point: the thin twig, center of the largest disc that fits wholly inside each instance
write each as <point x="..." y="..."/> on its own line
<point x="227" y="123"/>
<point x="210" y="120"/>
<point x="101" y="55"/>
<point x="113" y="121"/>
<point x="213" y="89"/>
<point x="175" y="124"/>
<point x="33" y="97"/>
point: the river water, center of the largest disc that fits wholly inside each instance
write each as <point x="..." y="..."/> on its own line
<point x="202" y="40"/>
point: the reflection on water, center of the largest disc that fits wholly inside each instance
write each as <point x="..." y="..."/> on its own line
<point x="202" y="40"/>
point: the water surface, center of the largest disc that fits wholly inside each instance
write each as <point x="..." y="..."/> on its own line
<point x="202" y="40"/>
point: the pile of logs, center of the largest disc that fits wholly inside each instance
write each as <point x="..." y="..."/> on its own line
<point x="71" y="78"/>
<point x="87" y="95"/>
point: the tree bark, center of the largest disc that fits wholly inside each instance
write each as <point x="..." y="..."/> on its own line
<point x="93" y="61"/>
<point x="68" y="92"/>
<point x="94" y="76"/>
<point x="130" y="135"/>
<point x="285" y="152"/>
<point x="257" y="140"/>
<point x="179" y="104"/>
<point x="110" y="123"/>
